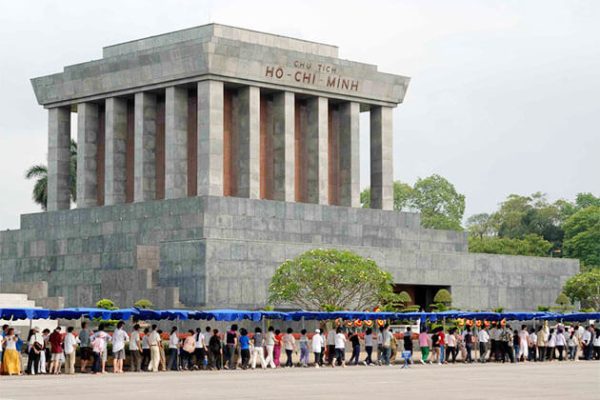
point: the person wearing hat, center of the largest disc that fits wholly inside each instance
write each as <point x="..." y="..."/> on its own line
<point x="36" y="346"/>
<point x="317" y="343"/>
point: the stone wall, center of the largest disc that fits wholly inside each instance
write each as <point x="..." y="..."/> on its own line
<point x="222" y="252"/>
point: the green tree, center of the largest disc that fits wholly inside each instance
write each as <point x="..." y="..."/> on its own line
<point x="481" y="225"/>
<point x="39" y="172"/>
<point x="107" y="304"/>
<point x="330" y="280"/>
<point x="440" y="205"/>
<point x="402" y="196"/>
<point x="582" y="235"/>
<point x="563" y="303"/>
<point x="144" y="304"/>
<point x="531" y="245"/>
<point x="444" y="297"/>
<point x="585" y="288"/>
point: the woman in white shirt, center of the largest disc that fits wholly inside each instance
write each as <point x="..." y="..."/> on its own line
<point x="550" y="346"/>
<point x="340" y="347"/>
<point x="317" y="344"/>
<point x="70" y="344"/>
<point x="173" y="350"/>
<point x="560" y="342"/>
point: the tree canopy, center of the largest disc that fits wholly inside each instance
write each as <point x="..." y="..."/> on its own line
<point x="585" y="287"/>
<point x="328" y="280"/>
<point x="440" y="205"/>
<point x="582" y="235"/>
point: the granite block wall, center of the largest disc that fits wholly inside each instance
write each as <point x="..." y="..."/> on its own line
<point x="221" y="252"/>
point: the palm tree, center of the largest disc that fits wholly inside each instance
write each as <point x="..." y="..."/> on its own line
<point x="40" y="173"/>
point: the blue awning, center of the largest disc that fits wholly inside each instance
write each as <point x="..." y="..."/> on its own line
<point x="24" y="313"/>
<point x="78" y="312"/>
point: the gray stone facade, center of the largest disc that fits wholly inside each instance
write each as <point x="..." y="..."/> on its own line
<point x="222" y="251"/>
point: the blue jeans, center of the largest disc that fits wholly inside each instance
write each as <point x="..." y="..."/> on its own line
<point x="173" y="360"/>
<point x="442" y="353"/>
<point x="387" y="352"/>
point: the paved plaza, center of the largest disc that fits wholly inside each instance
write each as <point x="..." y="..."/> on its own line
<point x="524" y="381"/>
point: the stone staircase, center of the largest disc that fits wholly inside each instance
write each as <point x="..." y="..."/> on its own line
<point x="18" y="300"/>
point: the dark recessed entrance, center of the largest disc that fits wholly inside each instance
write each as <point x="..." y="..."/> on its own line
<point x="421" y="295"/>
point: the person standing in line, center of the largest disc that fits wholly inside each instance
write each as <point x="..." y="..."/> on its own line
<point x="289" y="345"/>
<point x="387" y="345"/>
<point x="380" y="346"/>
<point x="85" y="346"/>
<point x="154" y="345"/>
<point x="340" y="348"/>
<point x="468" y="345"/>
<point x="70" y="351"/>
<point x="596" y="344"/>
<point x="199" y="349"/>
<point x="36" y="346"/>
<point x="257" y="352"/>
<point x="561" y="342"/>
<point x="542" y="339"/>
<point x="107" y="339"/>
<point x="483" y="338"/>
<point x="507" y="338"/>
<point x="207" y="335"/>
<point x="355" y="344"/>
<point x="368" y="347"/>
<point x="118" y="339"/>
<point x="173" y="350"/>
<point x="135" y="349"/>
<point x="12" y="361"/>
<point x="435" y="346"/>
<point x="317" y="344"/>
<point x="516" y="345"/>
<point x="331" y="345"/>
<point x="216" y="350"/>
<point x="146" y="350"/>
<point x="46" y="355"/>
<point x="187" y="351"/>
<point x="231" y="342"/>
<point x="270" y="343"/>
<point x="573" y="343"/>
<point x="3" y="334"/>
<point x="303" y="348"/>
<point x="424" y="345"/>
<point x="244" y="341"/>
<point x="442" y="336"/>
<point x="451" y="343"/>
<point x="408" y="343"/>
<point x="161" y="349"/>
<point x="493" y="343"/>
<point x="551" y="346"/>
<point x="98" y="341"/>
<point x="56" y="343"/>
<point x="532" y="351"/>
<point x="277" y="347"/>
<point x="523" y="354"/>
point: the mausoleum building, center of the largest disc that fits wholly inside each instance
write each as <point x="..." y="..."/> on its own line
<point x="208" y="156"/>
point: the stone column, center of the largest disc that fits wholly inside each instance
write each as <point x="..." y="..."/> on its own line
<point x="283" y="147"/>
<point x="249" y="142"/>
<point x="382" y="177"/>
<point x="317" y="150"/>
<point x="349" y="193"/>
<point x="59" y="155"/>
<point x="115" y="151"/>
<point x="210" y="138"/>
<point x="175" y="143"/>
<point x="145" y="147"/>
<point x="87" y="152"/>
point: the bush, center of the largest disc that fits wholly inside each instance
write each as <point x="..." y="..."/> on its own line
<point x="144" y="304"/>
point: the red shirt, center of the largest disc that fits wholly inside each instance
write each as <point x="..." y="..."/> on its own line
<point x="55" y="340"/>
<point x="442" y="336"/>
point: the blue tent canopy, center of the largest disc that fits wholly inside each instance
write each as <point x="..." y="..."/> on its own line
<point x="77" y="313"/>
<point x="230" y="315"/>
<point x="238" y="315"/>
<point x="24" y="313"/>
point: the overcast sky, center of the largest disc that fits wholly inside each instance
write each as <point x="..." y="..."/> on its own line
<point x="504" y="96"/>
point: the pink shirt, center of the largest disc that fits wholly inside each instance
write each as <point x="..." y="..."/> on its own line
<point x="423" y="339"/>
<point x="99" y="342"/>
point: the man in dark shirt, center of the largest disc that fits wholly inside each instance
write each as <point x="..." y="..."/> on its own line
<point x="56" y="349"/>
<point x="408" y="342"/>
<point x="231" y="341"/>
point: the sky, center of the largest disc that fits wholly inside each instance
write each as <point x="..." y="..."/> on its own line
<point x="503" y="95"/>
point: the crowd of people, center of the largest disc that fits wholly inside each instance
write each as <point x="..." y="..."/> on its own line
<point x="151" y="349"/>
